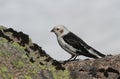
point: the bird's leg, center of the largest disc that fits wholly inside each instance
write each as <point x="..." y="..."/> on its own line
<point x="74" y="57"/>
<point x="71" y="57"/>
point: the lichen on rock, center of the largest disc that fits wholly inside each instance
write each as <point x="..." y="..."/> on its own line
<point x="22" y="59"/>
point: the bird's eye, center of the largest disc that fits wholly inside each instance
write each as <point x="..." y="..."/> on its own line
<point x="57" y="29"/>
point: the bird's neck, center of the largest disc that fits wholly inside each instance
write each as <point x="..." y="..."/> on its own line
<point x="65" y="33"/>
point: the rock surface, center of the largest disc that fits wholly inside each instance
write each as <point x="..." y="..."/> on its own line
<point x="20" y="58"/>
<point x="103" y="68"/>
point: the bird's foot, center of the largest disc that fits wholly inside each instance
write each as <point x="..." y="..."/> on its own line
<point x="73" y="58"/>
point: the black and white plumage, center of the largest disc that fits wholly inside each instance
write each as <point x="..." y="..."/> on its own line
<point x="73" y="44"/>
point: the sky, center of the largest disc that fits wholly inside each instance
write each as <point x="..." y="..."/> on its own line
<point x="97" y="22"/>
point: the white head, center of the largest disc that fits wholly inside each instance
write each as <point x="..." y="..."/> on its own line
<point x="60" y="30"/>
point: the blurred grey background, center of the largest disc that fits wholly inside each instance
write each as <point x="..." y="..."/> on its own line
<point x="96" y="21"/>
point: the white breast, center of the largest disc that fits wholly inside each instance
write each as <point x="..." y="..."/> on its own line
<point x="66" y="46"/>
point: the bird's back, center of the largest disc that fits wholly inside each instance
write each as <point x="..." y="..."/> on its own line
<point x="82" y="47"/>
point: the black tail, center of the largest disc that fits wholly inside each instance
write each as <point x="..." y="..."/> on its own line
<point x="98" y="53"/>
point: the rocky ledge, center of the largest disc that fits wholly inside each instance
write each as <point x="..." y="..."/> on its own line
<point x="20" y="58"/>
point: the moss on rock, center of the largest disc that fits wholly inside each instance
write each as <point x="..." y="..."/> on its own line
<point x="17" y="53"/>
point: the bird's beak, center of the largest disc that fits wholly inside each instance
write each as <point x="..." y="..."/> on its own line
<point x="52" y="30"/>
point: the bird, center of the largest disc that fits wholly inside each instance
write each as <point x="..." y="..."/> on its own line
<point x="73" y="44"/>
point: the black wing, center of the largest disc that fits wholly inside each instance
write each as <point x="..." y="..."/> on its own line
<point x="74" y="41"/>
<point x="79" y="44"/>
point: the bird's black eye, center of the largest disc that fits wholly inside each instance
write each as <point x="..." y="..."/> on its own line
<point x="57" y="29"/>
